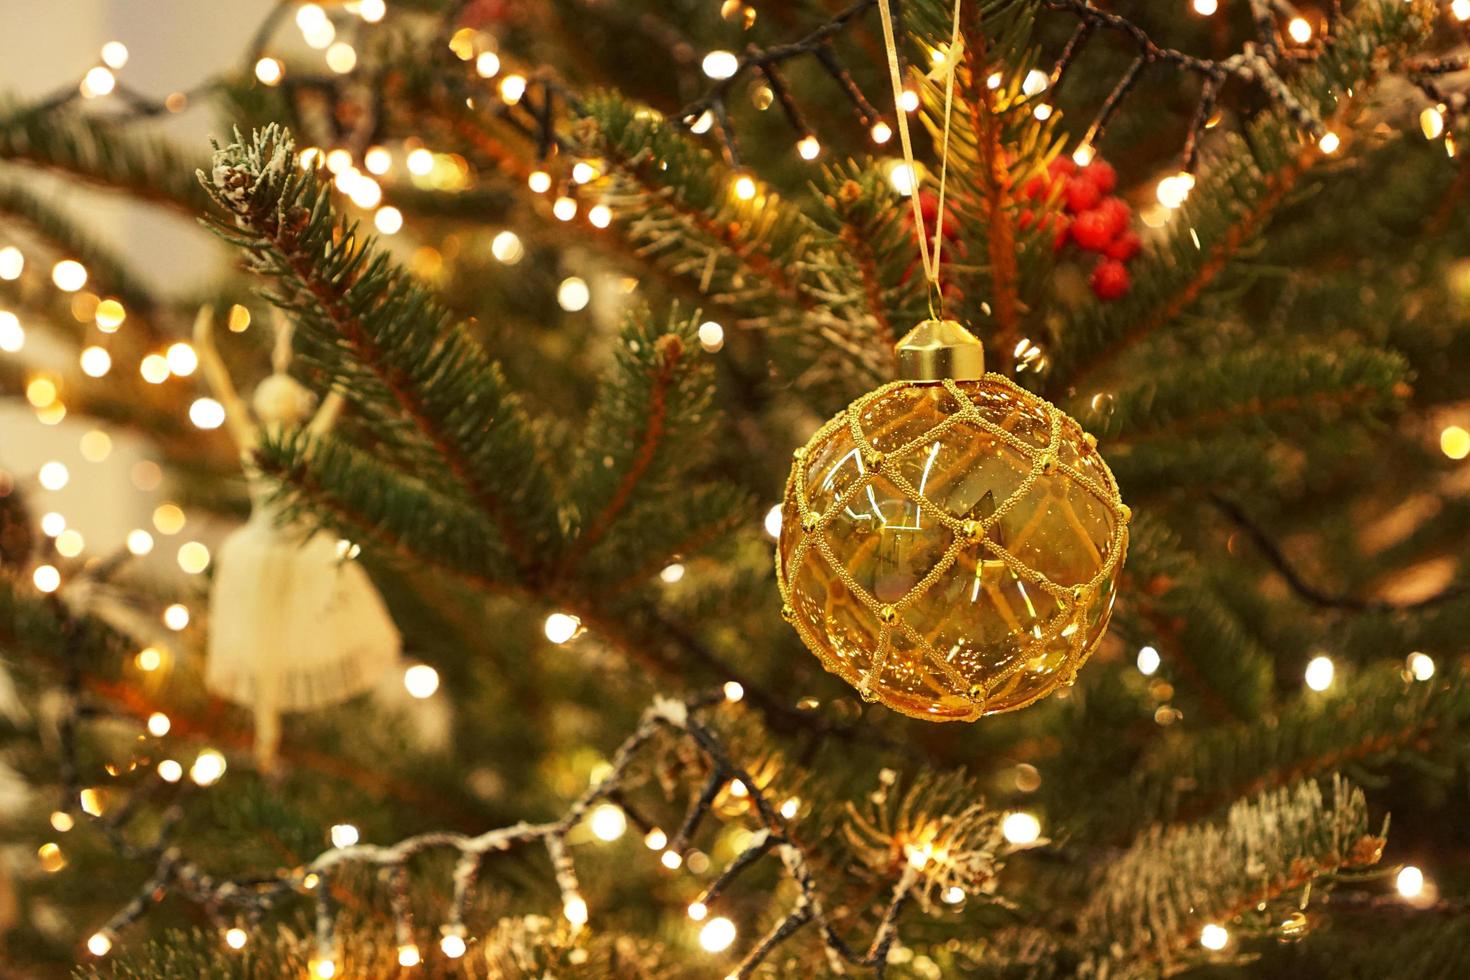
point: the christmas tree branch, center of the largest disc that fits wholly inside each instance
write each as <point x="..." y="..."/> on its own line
<point x="102" y="154"/>
<point x="940" y="848"/>
<point x="382" y="339"/>
<point x="1154" y="901"/>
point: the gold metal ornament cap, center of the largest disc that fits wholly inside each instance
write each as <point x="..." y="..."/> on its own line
<point x="940" y="349"/>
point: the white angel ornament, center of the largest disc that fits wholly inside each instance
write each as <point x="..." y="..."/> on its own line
<point x="293" y="624"/>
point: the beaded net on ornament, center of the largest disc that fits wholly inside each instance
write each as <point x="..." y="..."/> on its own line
<point x="950" y="548"/>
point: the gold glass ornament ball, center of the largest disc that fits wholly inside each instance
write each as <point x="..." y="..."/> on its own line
<point x="951" y="547"/>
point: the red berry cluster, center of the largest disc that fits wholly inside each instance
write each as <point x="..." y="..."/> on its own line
<point x="1092" y="218"/>
<point x="954" y="245"/>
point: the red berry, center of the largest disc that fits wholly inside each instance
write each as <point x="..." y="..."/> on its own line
<point x="1124" y="247"/>
<point x="1118" y="215"/>
<point x="1082" y="195"/>
<point x="1110" y="280"/>
<point x="1101" y="175"/>
<point x="1064" y="227"/>
<point x="1092" y="230"/>
<point x="1061" y="165"/>
<point x="1036" y="188"/>
<point x="928" y="204"/>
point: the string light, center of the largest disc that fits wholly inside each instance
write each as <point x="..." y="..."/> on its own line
<point x="672" y="573"/>
<point x="100" y="944"/>
<point x="1460" y="9"/>
<point x="344" y="835"/>
<point x="1431" y="122"/>
<point x="1020" y="827"/>
<point x="235" y="937"/>
<point x="168" y="518"/>
<point x="208" y="768"/>
<point x="170" y="771"/>
<point x="539" y="181"/>
<point x="176" y="617"/>
<point x="324" y="968"/>
<point x="149" y="659"/>
<point x="1299" y="29"/>
<point x="52" y="524"/>
<point x="46" y="578"/>
<point x="1420" y="666"/>
<point x="702" y="125"/>
<point x="193" y="557"/>
<point x="154" y="369"/>
<point x="388" y="220"/>
<point x="341" y="57"/>
<point x="733" y="691"/>
<point x="270" y="71"/>
<point x="745" y="188"/>
<point x="655" y="839"/>
<point x="773" y="521"/>
<point x="239" y="319"/>
<point x="421" y="681"/>
<point x="1173" y="190"/>
<point x="671" y="860"/>
<point x="372" y="11"/>
<point x="507" y="248"/>
<point x="711" y="336"/>
<point x="487" y="64"/>
<point x="91" y="802"/>
<point x="565" y="208"/>
<point x="575" y="909"/>
<point x="452" y="945"/>
<point x="1319" y="673"/>
<point x="608" y="822"/>
<point x="69" y="275"/>
<point x="1083" y="155"/>
<point x="1206" y="8"/>
<point x="573" y="295"/>
<point x="698" y="911"/>
<point x="583" y="172"/>
<point x="420" y="162"/>
<point x="95" y="362"/>
<point x="181" y="359"/>
<point x="909" y="101"/>
<point x="12" y="262"/>
<point x="1454" y="442"/>
<point x="901" y="176"/>
<point x="720" y="65"/>
<point x="790" y="808"/>
<point x="954" y="895"/>
<point x="41" y="392"/>
<point x="139" y="542"/>
<point x="881" y="132"/>
<point x="97" y="81"/>
<point x="600" y="215"/>
<point x="1409" y="882"/>
<point x="808" y="148"/>
<point x="1214" y="937"/>
<point x="408" y="955"/>
<point x="69" y="543"/>
<point x="561" y="627"/>
<point x="512" y="87"/>
<point x="717" y="935"/>
<point x="206" y="413"/>
<point x="115" y="54"/>
<point x="158" y="724"/>
<point x="53" y="475"/>
<point x="1148" y="661"/>
<point x="1329" y="143"/>
<point x="12" y="334"/>
<point x="61" y="821"/>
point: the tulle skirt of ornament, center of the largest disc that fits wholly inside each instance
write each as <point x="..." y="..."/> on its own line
<point x="293" y="626"/>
